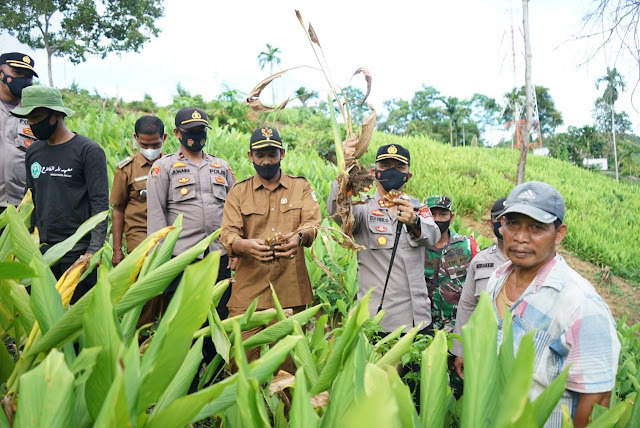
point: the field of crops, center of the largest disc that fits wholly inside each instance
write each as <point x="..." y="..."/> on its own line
<point x="342" y="378"/>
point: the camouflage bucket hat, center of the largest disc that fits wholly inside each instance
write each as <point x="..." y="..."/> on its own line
<point x="438" y="201"/>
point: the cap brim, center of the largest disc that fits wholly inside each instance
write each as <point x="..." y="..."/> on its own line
<point x="26" y="111"/>
<point x="528" y="210"/>
<point x="262" y="144"/>
<point x="441" y="206"/>
<point x="194" y="124"/>
<point x="20" y="65"/>
<point x="390" y="156"/>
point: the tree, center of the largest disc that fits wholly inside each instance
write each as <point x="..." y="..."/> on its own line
<point x="485" y="111"/>
<point x="522" y="162"/>
<point x="305" y="95"/>
<point x="76" y="28"/>
<point x="270" y="56"/>
<point x="452" y="111"/>
<point x="357" y="110"/>
<point x="550" y="117"/>
<point x="614" y="82"/>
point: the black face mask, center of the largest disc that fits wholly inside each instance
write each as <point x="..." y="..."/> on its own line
<point x="267" y="171"/>
<point x="16" y="84"/>
<point x="43" y="130"/>
<point x="391" y="178"/>
<point x="193" y="141"/>
<point x="443" y="225"/>
<point x="496" y="229"/>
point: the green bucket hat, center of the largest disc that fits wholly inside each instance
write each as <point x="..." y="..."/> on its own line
<point x="38" y="96"/>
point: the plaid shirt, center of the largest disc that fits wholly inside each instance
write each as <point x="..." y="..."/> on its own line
<point x="572" y="325"/>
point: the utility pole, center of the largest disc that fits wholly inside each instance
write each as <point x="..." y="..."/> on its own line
<point x="522" y="163"/>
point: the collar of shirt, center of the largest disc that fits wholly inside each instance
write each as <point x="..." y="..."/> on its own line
<point x="547" y="277"/>
<point x="285" y="181"/>
<point x="182" y="156"/>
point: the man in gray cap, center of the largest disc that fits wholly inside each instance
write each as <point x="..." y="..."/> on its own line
<point x="67" y="175"/>
<point x="480" y="269"/>
<point x="16" y="73"/>
<point x="572" y="324"/>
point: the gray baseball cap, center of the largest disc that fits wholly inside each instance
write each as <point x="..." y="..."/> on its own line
<point x="538" y="200"/>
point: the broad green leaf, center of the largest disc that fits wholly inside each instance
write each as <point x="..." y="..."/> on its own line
<point x="55" y="253"/>
<point x="406" y="409"/>
<point x="6" y="364"/>
<point x="507" y="354"/>
<point x="519" y="385"/>
<point x="544" y="404"/>
<point x="22" y="244"/>
<point x="4" y="423"/>
<point x="129" y="323"/>
<point x="480" y="366"/>
<point x="219" y="289"/>
<point x="186" y="313"/>
<point x="46" y="395"/>
<point x="20" y="297"/>
<point x="131" y="361"/>
<point x="45" y="301"/>
<point x="101" y="329"/>
<point x="434" y="382"/>
<point x="379" y="406"/>
<point x="93" y="264"/>
<point x="218" y="335"/>
<point x="83" y="365"/>
<point x="302" y="355"/>
<point x="302" y="414"/>
<point x="165" y="251"/>
<point x="113" y="411"/>
<point x="610" y="418"/>
<point x="394" y="355"/>
<point x="280" y="329"/>
<point x="15" y="270"/>
<point x="180" y="383"/>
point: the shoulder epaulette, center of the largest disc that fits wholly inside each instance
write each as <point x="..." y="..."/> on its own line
<point x="124" y="162"/>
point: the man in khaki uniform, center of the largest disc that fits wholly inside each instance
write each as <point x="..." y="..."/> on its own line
<point x="269" y="204"/>
<point x="129" y="191"/>
<point x="406" y="300"/>
<point x="16" y="73"/>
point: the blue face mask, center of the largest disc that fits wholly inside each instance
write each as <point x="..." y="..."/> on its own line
<point x="391" y="178"/>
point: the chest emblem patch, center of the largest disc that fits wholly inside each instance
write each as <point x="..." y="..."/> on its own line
<point x="27" y="131"/>
<point x="382" y="240"/>
<point x="184" y="191"/>
<point x="215" y="165"/>
<point x="183" y="180"/>
<point x="36" y="169"/>
<point x="27" y="142"/>
<point x="220" y="179"/>
<point x="381" y="228"/>
<point x="378" y="213"/>
<point x="382" y="203"/>
<point x="178" y="165"/>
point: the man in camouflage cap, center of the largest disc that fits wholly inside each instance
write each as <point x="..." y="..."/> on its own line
<point x="446" y="263"/>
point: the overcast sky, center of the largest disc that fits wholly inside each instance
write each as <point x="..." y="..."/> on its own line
<point x="459" y="47"/>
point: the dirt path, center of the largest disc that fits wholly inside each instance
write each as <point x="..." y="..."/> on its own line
<point x="620" y="294"/>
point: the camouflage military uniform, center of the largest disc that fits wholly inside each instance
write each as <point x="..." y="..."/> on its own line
<point x="445" y="270"/>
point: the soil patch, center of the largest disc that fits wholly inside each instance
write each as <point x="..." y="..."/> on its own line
<point x="620" y="295"/>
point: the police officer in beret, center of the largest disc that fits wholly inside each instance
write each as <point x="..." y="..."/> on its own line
<point x="406" y="301"/>
<point x="16" y="73"/>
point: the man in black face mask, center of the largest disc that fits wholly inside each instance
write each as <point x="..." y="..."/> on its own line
<point x="67" y="175"/>
<point x="275" y="207"/>
<point x="16" y="73"/>
<point x="480" y="269"/>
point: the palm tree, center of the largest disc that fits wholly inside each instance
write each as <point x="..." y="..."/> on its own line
<point x="452" y="110"/>
<point x="270" y="57"/>
<point x="615" y="83"/>
<point x="304" y="95"/>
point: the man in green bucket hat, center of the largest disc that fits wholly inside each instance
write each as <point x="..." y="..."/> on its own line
<point x="67" y="175"/>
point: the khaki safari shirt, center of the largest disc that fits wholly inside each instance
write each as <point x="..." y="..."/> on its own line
<point x="480" y="269"/>
<point x="176" y="185"/>
<point x="253" y="211"/>
<point x="406" y="301"/>
<point x="15" y="137"/>
<point x="130" y="189"/>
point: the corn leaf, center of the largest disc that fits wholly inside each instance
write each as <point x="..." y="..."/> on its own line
<point x="186" y="313"/>
<point x="48" y="386"/>
<point x="55" y="253"/>
<point x="101" y="329"/>
<point x="434" y="382"/>
<point x="45" y="301"/>
<point x="302" y="414"/>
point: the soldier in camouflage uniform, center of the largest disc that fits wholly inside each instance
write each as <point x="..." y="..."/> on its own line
<point x="446" y="263"/>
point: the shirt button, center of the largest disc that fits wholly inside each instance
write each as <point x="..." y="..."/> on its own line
<point x="272" y="209"/>
<point x="273" y="229"/>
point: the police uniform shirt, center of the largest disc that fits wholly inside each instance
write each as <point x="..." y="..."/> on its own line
<point x="406" y="301"/>
<point x="130" y="190"/>
<point x="177" y="185"/>
<point x="480" y="270"/>
<point x="15" y="137"/>
<point x="254" y="212"/>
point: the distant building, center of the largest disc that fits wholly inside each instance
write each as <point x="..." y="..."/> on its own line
<point x="600" y="164"/>
<point x="541" y="151"/>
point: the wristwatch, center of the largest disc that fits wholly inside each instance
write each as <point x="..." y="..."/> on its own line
<point x="416" y="225"/>
<point x="301" y="241"/>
